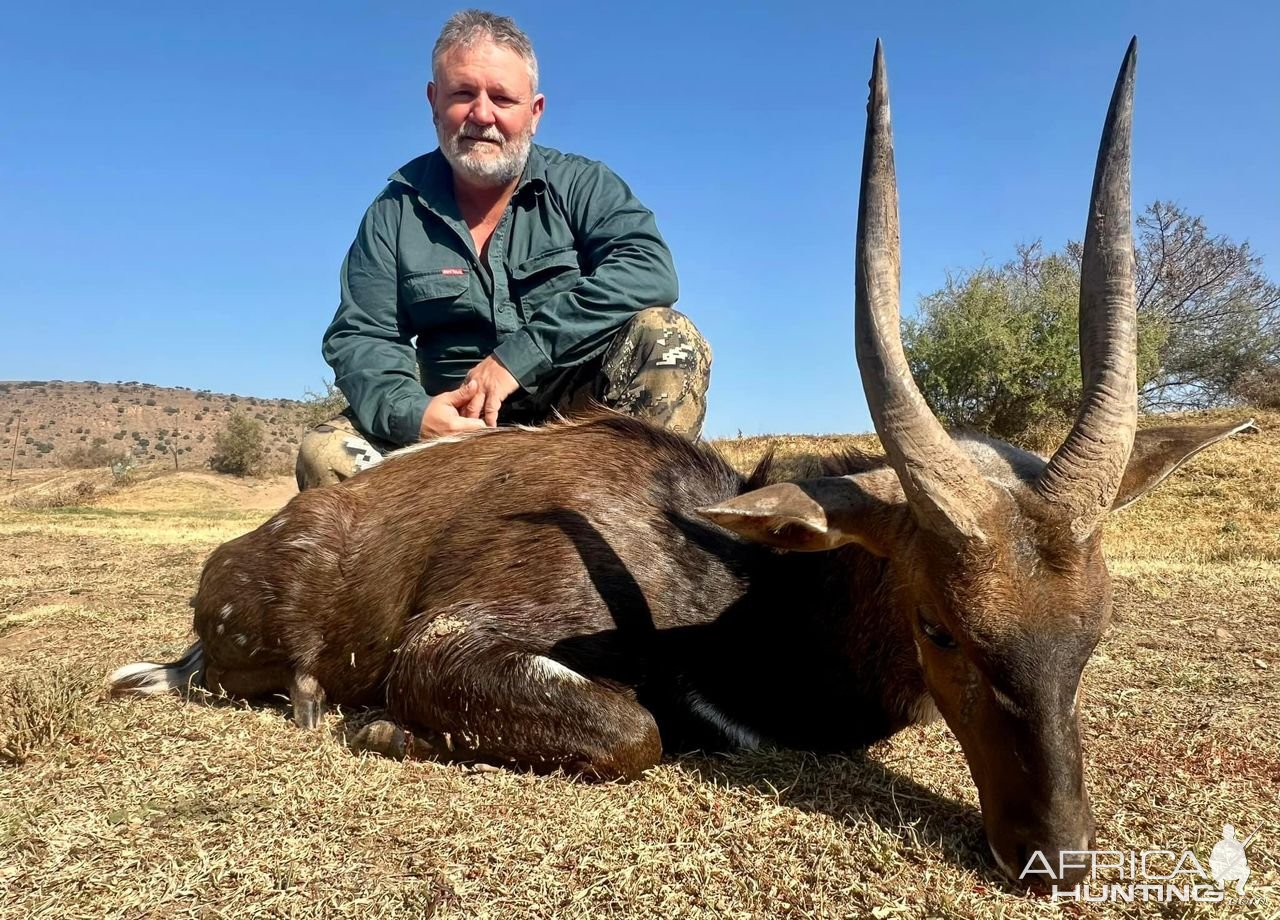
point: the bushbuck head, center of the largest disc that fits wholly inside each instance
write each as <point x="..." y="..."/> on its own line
<point x="995" y="553"/>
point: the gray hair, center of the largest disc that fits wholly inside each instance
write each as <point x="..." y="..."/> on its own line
<point x="467" y="28"/>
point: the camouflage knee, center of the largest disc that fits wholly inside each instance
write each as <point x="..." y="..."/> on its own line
<point x="333" y="451"/>
<point x="658" y="368"/>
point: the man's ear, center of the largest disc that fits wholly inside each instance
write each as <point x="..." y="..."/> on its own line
<point x="539" y="105"/>
<point x="1157" y="452"/>
<point x="816" y="514"/>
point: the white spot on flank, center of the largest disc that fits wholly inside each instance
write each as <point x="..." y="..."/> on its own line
<point x="738" y="734"/>
<point x="540" y="666"/>
<point x="221" y="629"/>
<point x="242" y="640"/>
<point x="225" y="612"/>
<point x="276" y="524"/>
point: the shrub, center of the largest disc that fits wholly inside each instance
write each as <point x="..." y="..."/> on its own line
<point x="998" y="349"/>
<point x="240" y="447"/>
<point x="82" y="493"/>
<point x="96" y="454"/>
<point x="1260" y="388"/>
<point x="320" y="407"/>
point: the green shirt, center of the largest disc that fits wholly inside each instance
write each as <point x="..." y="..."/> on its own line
<point x="574" y="256"/>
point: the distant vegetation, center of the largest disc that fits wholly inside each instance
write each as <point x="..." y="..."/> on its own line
<point x="88" y="425"/>
<point x="322" y="406"/>
<point x="240" y="447"/>
<point x="997" y="349"/>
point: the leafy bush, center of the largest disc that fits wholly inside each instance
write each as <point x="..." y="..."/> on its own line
<point x="240" y="447"/>
<point x="998" y="350"/>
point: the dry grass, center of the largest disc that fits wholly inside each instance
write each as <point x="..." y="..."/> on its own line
<point x="39" y="710"/>
<point x="166" y="808"/>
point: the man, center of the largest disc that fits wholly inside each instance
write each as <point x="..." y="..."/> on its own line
<point x="533" y="281"/>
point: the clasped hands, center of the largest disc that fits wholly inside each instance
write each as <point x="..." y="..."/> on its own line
<point x="473" y="405"/>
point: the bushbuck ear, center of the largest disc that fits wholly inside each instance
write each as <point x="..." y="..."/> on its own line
<point x="1157" y="452"/>
<point x="816" y="514"/>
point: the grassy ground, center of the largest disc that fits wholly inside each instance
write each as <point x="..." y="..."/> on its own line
<point x="164" y="808"/>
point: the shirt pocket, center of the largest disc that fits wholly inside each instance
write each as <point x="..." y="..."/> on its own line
<point x="433" y="299"/>
<point x="536" y="280"/>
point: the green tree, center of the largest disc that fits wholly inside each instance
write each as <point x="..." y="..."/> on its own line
<point x="997" y="349"/>
<point x="240" y="447"/>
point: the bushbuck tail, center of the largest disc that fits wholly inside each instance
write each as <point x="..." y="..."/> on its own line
<point x="587" y="595"/>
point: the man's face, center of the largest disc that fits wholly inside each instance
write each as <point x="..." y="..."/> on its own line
<point x="485" y="112"/>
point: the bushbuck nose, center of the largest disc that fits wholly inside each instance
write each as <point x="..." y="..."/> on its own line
<point x="1042" y="860"/>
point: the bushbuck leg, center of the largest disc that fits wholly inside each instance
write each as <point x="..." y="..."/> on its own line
<point x="465" y="693"/>
<point x="308" y="698"/>
<point x="305" y="693"/>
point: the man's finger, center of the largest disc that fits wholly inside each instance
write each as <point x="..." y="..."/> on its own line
<point x="462" y="395"/>
<point x="491" y="411"/>
<point x="476" y="405"/>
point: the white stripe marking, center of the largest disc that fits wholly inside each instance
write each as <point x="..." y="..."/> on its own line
<point x="737" y="733"/>
<point x="550" y="669"/>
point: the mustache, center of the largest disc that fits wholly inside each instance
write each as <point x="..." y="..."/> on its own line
<point x="474" y="132"/>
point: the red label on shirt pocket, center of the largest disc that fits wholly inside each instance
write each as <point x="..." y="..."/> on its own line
<point x="453" y="271"/>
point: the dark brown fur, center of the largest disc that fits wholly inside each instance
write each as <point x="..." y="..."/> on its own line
<point x="428" y="583"/>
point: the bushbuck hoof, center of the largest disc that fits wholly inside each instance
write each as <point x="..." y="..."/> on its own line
<point x="390" y="740"/>
<point x="308" y="699"/>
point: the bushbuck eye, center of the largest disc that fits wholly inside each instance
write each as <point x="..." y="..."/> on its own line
<point x="936" y="634"/>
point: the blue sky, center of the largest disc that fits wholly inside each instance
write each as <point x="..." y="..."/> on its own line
<point x="179" y="182"/>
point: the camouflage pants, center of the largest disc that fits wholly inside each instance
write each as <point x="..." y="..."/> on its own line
<point x="657" y="368"/>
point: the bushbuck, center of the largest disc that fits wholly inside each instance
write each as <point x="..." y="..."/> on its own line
<point x="586" y="595"/>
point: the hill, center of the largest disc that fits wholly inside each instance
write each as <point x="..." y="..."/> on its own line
<point x="47" y="422"/>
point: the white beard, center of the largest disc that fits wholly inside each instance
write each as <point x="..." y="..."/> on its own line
<point x="482" y="164"/>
